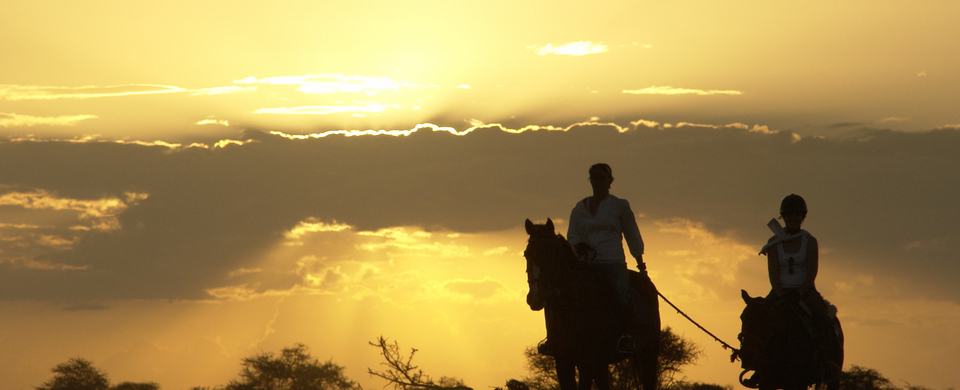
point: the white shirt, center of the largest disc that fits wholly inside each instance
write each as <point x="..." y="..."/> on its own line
<point x="793" y="266"/>
<point x="606" y="231"/>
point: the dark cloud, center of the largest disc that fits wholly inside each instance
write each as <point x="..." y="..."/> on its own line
<point x="842" y="125"/>
<point x="86" y="307"/>
<point x="885" y="201"/>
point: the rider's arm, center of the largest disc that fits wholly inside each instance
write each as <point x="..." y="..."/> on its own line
<point x="813" y="263"/>
<point x="574" y="233"/>
<point x="631" y="233"/>
<point x="773" y="269"/>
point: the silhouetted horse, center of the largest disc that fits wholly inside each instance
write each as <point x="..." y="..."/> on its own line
<point x="585" y="312"/>
<point x="786" y="347"/>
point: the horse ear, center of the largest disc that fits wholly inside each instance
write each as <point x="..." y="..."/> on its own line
<point x="550" y="225"/>
<point x="529" y="226"/>
<point x="745" y="296"/>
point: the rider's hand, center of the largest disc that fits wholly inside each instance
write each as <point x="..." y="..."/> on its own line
<point x="582" y="248"/>
<point x="642" y="267"/>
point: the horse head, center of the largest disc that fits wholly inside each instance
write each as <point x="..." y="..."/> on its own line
<point x="537" y="249"/>
<point x="755" y="332"/>
<point x="540" y="231"/>
<point x="548" y="256"/>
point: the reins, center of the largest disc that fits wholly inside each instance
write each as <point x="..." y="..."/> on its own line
<point x="736" y="352"/>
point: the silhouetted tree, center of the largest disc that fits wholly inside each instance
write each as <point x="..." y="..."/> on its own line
<point x="76" y="374"/>
<point x="675" y="352"/>
<point x="136" y="386"/>
<point x="912" y="387"/>
<point x="862" y="378"/>
<point x="699" y="386"/>
<point x="514" y="384"/>
<point x="542" y="370"/>
<point x="293" y="369"/>
<point x="404" y="375"/>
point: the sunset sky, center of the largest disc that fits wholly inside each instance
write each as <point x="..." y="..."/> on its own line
<point x="187" y="183"/>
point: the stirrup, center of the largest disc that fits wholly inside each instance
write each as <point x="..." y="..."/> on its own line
<point x="626" y="346"/>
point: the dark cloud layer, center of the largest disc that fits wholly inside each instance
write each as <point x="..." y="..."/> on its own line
<point x="885" y="202"/>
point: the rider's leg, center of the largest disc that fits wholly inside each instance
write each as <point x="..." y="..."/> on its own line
<point x="566" y="373"/>
<point x="549" y="346"/>
<point x="616" y="276"/>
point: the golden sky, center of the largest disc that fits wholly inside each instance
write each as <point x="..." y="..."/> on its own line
<point x="190" y="183"/>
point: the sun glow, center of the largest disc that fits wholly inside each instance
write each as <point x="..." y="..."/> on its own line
<point x="332" y="83"/>
<point x="355" y="109"/>
<point x="11" y="119"/>
<point x="666" y="90"/>
<point x="579" y="48"/>
<point x="36" y="92"/>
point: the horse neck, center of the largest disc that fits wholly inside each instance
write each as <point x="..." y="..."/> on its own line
<point x="565" y="262"/>
<point x="559" y="257"/>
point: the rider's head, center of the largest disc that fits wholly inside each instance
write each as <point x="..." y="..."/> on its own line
<point x="601" y="169"/>
<point x="600" y="177"/>
<point x="793" y="203"/>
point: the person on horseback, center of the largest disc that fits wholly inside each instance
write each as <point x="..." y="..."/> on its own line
<point x="598" y="225"/>
<point x="792" y="263"/>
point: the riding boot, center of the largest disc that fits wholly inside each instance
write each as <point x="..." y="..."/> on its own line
<point x="549" y="345"/>
<point x="629" y="324"/>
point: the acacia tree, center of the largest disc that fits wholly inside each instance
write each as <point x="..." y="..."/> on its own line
<point x="76" y="374"/>
<point x="675" y="353"/>
<point x="404" y="375"/>
<point x="862" y="378"/>
<point x="293" y="369"/>
<point x="136" y="386"/>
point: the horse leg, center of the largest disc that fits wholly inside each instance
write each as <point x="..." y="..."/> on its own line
<point x="645" y="361"/>
<point x="587" y="375"/>
<point x="602" y="377"/>
<point x="648" y="371"/>
<point x="593" y="373"/>
<point x="566" y="373"/>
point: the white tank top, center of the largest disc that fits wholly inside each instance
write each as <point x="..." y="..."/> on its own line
<point x="793" y="266"/>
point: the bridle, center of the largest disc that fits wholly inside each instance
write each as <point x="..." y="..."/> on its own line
<point x="545" y="253"/>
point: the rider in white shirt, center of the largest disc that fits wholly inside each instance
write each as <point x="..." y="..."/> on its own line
<point x="793" y="259"/>
<point x="598" y="226"/>
<point x="793" y="266"/>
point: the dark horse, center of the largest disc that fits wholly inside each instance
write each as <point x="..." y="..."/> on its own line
<point x="585" y="314"/>
<point x="788" y="348"/>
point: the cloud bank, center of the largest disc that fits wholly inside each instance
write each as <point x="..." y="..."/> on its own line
<point x="153" y="221"/>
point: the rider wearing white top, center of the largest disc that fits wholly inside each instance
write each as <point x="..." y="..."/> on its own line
<point x="606" y="230"/>
<point x="793" y="266"/>
<point x="598" y="226"/>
